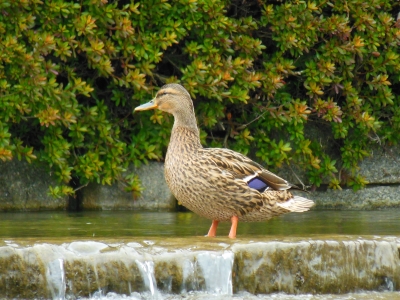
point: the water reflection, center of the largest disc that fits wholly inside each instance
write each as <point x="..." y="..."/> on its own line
<point x="131" y="223"/>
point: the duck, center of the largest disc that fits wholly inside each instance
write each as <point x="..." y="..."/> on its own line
<point x="218" y="183"/>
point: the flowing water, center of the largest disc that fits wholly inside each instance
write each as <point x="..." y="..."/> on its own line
<point x="247" y="296"/>
<point x="146" y="255"/>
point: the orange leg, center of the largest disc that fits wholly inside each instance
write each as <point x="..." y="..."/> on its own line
<point x="232" y="233"/>
<point x="213" y="229"/>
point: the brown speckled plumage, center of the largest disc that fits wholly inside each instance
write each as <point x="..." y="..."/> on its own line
<point x="213" y="182"/>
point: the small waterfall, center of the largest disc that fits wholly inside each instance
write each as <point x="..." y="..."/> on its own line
<point x="190" y="281"/>
<point x="147" y="270"/>
<point x="99" y="291"/>
<point x="56" y="278"/>
<point x="92" y="269"/>
<point x="217" y="271"/>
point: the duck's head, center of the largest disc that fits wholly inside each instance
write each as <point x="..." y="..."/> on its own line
<point x="174" y="99"/>
<point x="171" y="98"/>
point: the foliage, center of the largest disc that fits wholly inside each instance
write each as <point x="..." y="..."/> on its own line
<point x="260" y="72"/>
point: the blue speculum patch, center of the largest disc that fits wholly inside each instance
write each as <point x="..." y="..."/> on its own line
<point x="257" y="184"/>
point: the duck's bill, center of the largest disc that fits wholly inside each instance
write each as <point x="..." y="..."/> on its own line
<point x="147" y="106"/>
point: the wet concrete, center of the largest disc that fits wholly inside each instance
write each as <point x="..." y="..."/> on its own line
<point x="321" y="265"/>
<point x="166" y="256"/>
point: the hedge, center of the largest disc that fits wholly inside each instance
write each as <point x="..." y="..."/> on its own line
<point x="260" y="73"/>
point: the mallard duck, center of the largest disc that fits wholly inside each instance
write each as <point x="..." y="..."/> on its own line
<point x="217" y="183"/>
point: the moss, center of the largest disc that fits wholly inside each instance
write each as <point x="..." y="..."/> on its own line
<point x="23" y="276"/>
<point x="314" y="266"/>
<point x="169" y="276"/>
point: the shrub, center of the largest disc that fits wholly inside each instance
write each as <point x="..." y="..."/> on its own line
<point x="260" y="75"/>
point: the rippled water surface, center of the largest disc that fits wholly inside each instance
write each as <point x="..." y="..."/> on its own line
<point x="119" y="224"/>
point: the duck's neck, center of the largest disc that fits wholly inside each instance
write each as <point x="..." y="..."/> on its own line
<point x="184" y="139"/>
<point x="185" y="135"/>
<point x="185" y="132"/>
<point x="184" y="117"/>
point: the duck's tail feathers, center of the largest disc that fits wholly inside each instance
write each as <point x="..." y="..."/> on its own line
<point x="297" y="204"/>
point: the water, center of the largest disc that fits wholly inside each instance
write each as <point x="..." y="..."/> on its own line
<point x="160" y="268"/>
<point x="247" y="296"/>
<point x="55" y="278"/>
<point x="131" y="255"/>
<point x="217" y="270"/>
<point x="123" y="224"/>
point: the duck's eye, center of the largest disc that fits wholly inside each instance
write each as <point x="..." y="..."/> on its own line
<point x="162" y="94"/>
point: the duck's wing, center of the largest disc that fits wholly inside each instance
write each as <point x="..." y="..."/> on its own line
<point x="242" y="167"/>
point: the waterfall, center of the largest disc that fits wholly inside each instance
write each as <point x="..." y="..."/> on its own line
<point x="93" y="269"/>
<point x="190" y="280"/>
<point x="147" y="270"/>
<point x="56" y="278"/>
<point x="217" y="271"/>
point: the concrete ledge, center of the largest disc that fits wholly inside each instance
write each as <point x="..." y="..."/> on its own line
<point x="371" y="197"/>
<point x="382" y="166"/>
<point x="24" y="187"/>
<point x="217" y="266"/>
<point x="155" y="196"/>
